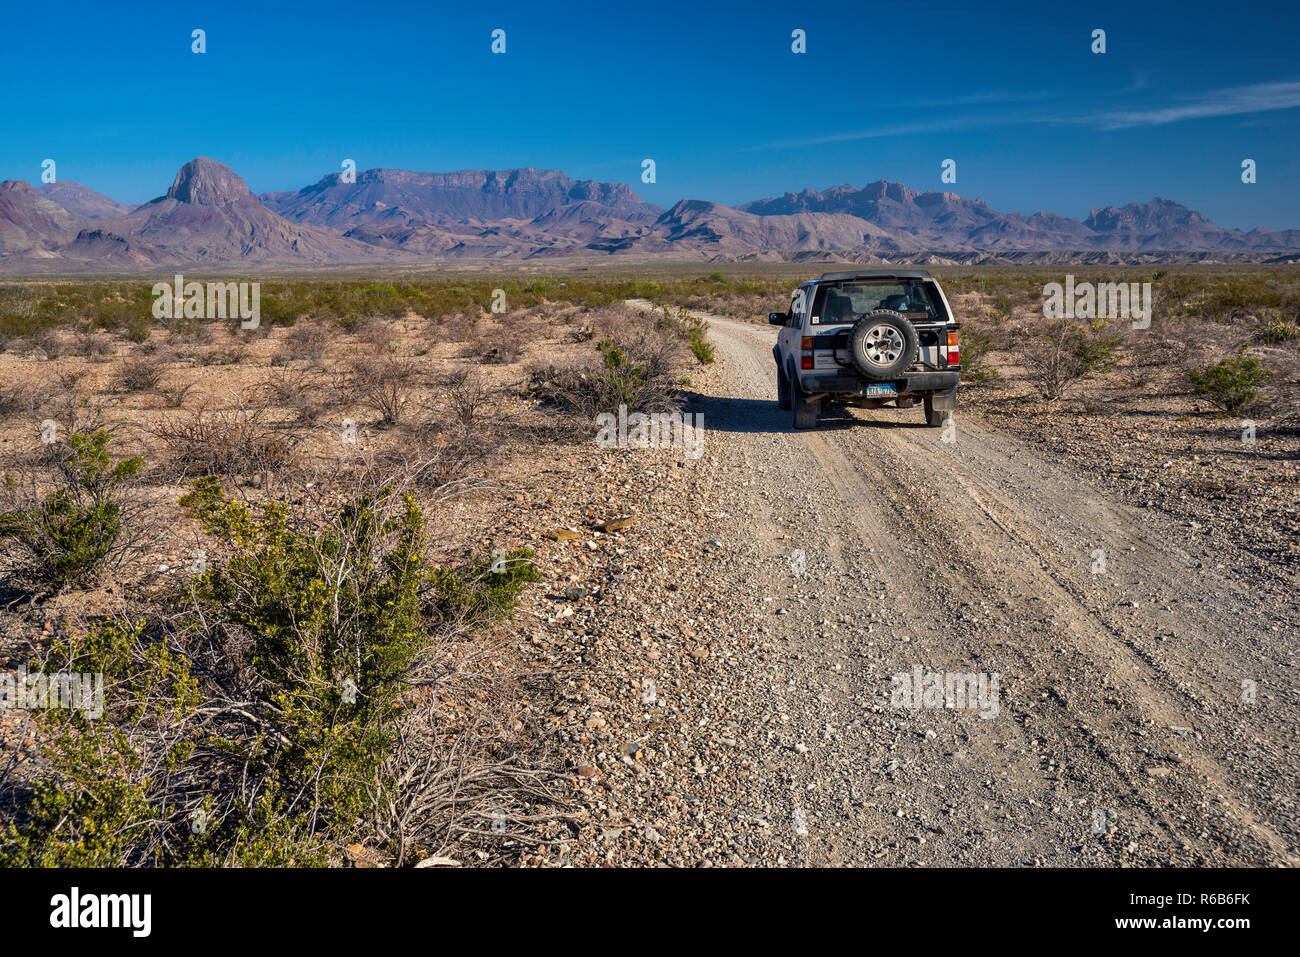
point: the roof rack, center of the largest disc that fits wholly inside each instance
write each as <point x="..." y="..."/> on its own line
<point x="875" y="274"/>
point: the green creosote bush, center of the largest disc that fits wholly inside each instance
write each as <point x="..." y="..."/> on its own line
<point x="975" y="347"/>
<point x="256" y="725"/>
<point x="690" y="329"/>
<point x="621" y="380"/>
<point x="1230" y="384"/>
<point x="1063" y="353"/>
<point x="67" y="536"/>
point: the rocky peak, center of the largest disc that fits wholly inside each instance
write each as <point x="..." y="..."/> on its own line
<point x="205" y="182"/>
<point x="1154" y="216"/>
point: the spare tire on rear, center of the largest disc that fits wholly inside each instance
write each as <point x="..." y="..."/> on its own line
<point x="882" y="344"/>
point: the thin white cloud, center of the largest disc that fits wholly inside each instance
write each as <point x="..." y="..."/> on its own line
<point x="981" y="98"/>
<point x="904" y="129"/>
<point x="1232" y="101"/>
<point x="1140" y="82"/>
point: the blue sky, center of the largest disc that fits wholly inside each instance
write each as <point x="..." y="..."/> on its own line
<point x="710" y="91"/>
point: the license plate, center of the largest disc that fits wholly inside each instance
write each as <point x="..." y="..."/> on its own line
<point x="879" y="390"/>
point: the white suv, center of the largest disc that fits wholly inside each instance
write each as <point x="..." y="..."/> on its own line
<point x="867" y="338"/>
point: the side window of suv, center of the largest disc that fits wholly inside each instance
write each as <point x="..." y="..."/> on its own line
<point x="798" y="306"/>
<point x="936" y="301"/>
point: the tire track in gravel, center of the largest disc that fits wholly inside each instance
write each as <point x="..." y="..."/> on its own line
<point x="1175" y="693"/>
<point x="1152" y="692"/>
<point x="975" y="557"/>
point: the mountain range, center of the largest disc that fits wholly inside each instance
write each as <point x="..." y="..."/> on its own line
<point x="210" y="218"/>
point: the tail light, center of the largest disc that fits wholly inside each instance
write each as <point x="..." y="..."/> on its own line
<point x="806" y="359"/>
<point x="953" y="353"/>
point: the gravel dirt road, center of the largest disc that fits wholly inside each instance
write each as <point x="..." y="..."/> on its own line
<point x="1145" y="710"/>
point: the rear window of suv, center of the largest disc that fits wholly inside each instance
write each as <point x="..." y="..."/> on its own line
<point x="842" y="302"/>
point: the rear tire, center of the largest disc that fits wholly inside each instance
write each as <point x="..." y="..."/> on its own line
<point x="805" y="410"/>
<point x="783" y="397"/>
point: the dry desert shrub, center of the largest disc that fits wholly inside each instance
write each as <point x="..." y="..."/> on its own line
<point x="496" y="343"/>
<point x="139" y="375"/>
<point x="458" y="327"/>
<point x="466" y="399"/>
<point x="378" y="336"/>
<point x="93" y="345"/>
<point x="249" y="334"/>
<point x="634" y="363"/>
<point x="459" y="432"/>
<point x="385" y="384"/>
<point x="231" y="354"/>
<point x="48" y="344"/>
<point x="656" y="346"/>
<point x="189" y="331"/>
<point x="60" y="399"/>
<point x="307" y="341"/>
<point x="17" y="398"/>
<point x="1060" y="354"/>
<point x="234" y="442"/>
<point x="174" y="396"/>
<point x="506" y="352"/>
<point x="295" y="391"/>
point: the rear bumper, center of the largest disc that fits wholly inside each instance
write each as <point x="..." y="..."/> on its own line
<point x="906" y="384"/>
